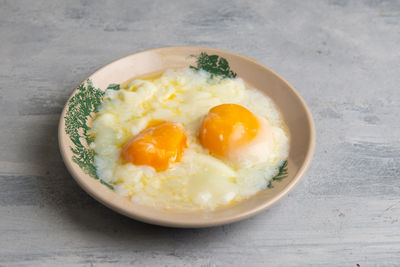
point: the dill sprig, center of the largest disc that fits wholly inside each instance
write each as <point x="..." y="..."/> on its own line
<point x="282" y="173"/>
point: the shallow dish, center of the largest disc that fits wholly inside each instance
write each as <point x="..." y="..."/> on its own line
<point x="75" y="120"/>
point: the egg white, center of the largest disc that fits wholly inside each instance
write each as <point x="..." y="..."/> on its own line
<point x="199" y="180"/>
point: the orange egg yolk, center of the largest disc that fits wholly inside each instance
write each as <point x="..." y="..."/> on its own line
<point x="157" y="146"/>
<point x="228" y="127"/>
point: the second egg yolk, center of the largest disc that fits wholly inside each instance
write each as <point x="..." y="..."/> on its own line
<point x="157" y="146"/>
<point x="228" y="127"/>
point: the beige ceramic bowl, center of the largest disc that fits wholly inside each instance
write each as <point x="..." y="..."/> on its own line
<point x="293" y="108"/>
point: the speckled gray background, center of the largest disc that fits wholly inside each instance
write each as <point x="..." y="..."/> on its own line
<point x="342" y="56"/>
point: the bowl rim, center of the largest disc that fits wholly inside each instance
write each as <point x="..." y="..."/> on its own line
<point x="215" y="222"/>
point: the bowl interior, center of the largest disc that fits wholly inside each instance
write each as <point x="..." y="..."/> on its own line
<point x="294" y="111"/>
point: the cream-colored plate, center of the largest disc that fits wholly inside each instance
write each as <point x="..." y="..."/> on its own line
<point x="293" y="108"/>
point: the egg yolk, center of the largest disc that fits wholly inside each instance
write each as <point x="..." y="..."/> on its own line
<point x="157" y="146"/>
<point x="228" y="127"/>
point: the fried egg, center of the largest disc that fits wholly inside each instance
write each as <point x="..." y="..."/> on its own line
<point x="187" y="140"/>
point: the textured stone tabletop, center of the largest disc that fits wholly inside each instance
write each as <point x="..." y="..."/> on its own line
<point x="342" y="56"/>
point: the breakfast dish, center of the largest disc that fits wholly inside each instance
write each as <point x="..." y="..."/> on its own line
<point x="187" y="139"/>
<point x="186" y="136"/>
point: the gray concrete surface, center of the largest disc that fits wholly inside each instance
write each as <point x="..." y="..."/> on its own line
<point x="342" y="56"/>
